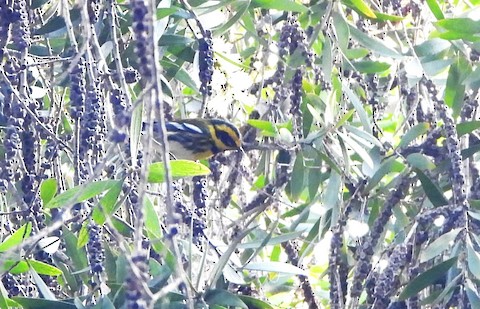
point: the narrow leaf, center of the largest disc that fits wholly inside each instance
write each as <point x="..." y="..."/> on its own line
<point x="281" y="5"/>
<point x="241" y="8"/>
<point x="224" y="298"/>
<point x="373" y="44"/>
<point x="48" y="189"/>
<point x="362" y="114"/>
<point x="387" y="166"/>
<point x="179" y="169"/>
<point x="42" y="286"/>
<point x="472" y="294"/>
<point x="427" y="278"/>
<point x="435" y="8"/>
<point x="276" y="267"/>
<point x="44" y="268"/>
<point x="39" y="303"/>
<point x="467" y="127"/>
<point x="371" y="67"/>
<point x="253" y="302"/>
<point x="16" y="238"/>
<point x="473" y="259"/>
<point x="420" y="161"/>
<point x="440" y="244"/>
<point x="460" y="25"/>
<point x="81" y="193"/>
<point x="363" y="7"/>
<point x="415" y="132"/>
<point x="108" y="204"/>
<point x="432" y="191"/>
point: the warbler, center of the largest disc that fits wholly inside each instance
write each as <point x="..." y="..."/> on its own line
<point x="196" y="139"/>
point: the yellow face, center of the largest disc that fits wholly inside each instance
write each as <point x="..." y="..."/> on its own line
<point x="226" y="136"/>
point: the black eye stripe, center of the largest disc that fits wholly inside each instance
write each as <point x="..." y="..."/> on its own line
<point x="225" y="138"/>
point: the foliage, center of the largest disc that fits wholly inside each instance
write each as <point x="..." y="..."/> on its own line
<point x="357" y="185"/>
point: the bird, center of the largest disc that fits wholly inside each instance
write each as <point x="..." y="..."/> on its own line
<point x="198" y="138"/>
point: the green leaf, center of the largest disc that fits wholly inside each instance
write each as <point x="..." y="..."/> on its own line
<point x="467" y="127"/>
<point x="473" y="79"/>
<point x="473" y="259"/>
<point x="280" y="5"/>
<point x="426" y="278"/>
<point x="57" y="23"/>
<point x="81" y="193"/>
<point x="4" y="297"/>
<point x="42" y="286"/>
<point x="439" y="245"/>
<point x="371" y="66"/>
<point x="82" y="236"/>
<point x="223" y="298"/>
<point x="14" y="267"/>
<point x="373" y="44"/>
<point x="164" y="12"/>
<point x="341" y="30"/>
<point x="296" y="182"/>
<point x="271" y="242"/>
<point x="179" y="169"/>
<point x="39" y="303"/>
<point x="275" y="267"/>
<point x="356" y="53"/>
<point x="44" y="268"/>
<point x="108" y="204"/>
<point x="451" y="35"/>
<point x="470" y="151"/>
<point x="363" y="8"/>
<point x="48" y="189"/>
<point x="472" y="294"/>
<point x="16" y="238"/>
<point x="387" y="17"/>
<point x="455" y="88"/>
<point x="253" y="302"/>
<point x="358" y="149"/>
<point x="264" y="125"/>
<point x="331" y="195"/>
<point x="315" y="177"/>
<point x="122" y="227"/>
<point x="152" y="222"/>
<point x="432" y="47"/>
<point x="437" y="66"/>
<point x="460" y="25"/>
<point x="241" y="7"/>
<point x="362" y="114"/>
<point x="420" y="161"/>
<point x="432" y="191"/>
<point x="435" y="8"/>
<point x="387" y="166"/>
<point x="174" y="39"/>
<point x="186" y="78"/>
<point x="416" y="131"/>
<point x="78" y="256"/>
<point x="37" y="3"/>
<point x="362" y="136"/>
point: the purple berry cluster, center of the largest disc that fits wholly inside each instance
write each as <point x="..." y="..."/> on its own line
<point x="367" y="249"/>
<point x="206" y="61"/>
<point x="194" y="219"/>
<point x="142" y="23"/>
<point x="292" y="253"/>
<point x="78" y="90"/>
<point x="135" y="283"/>
<point x="21" y="27"/>
<point x="95" y="253"/>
